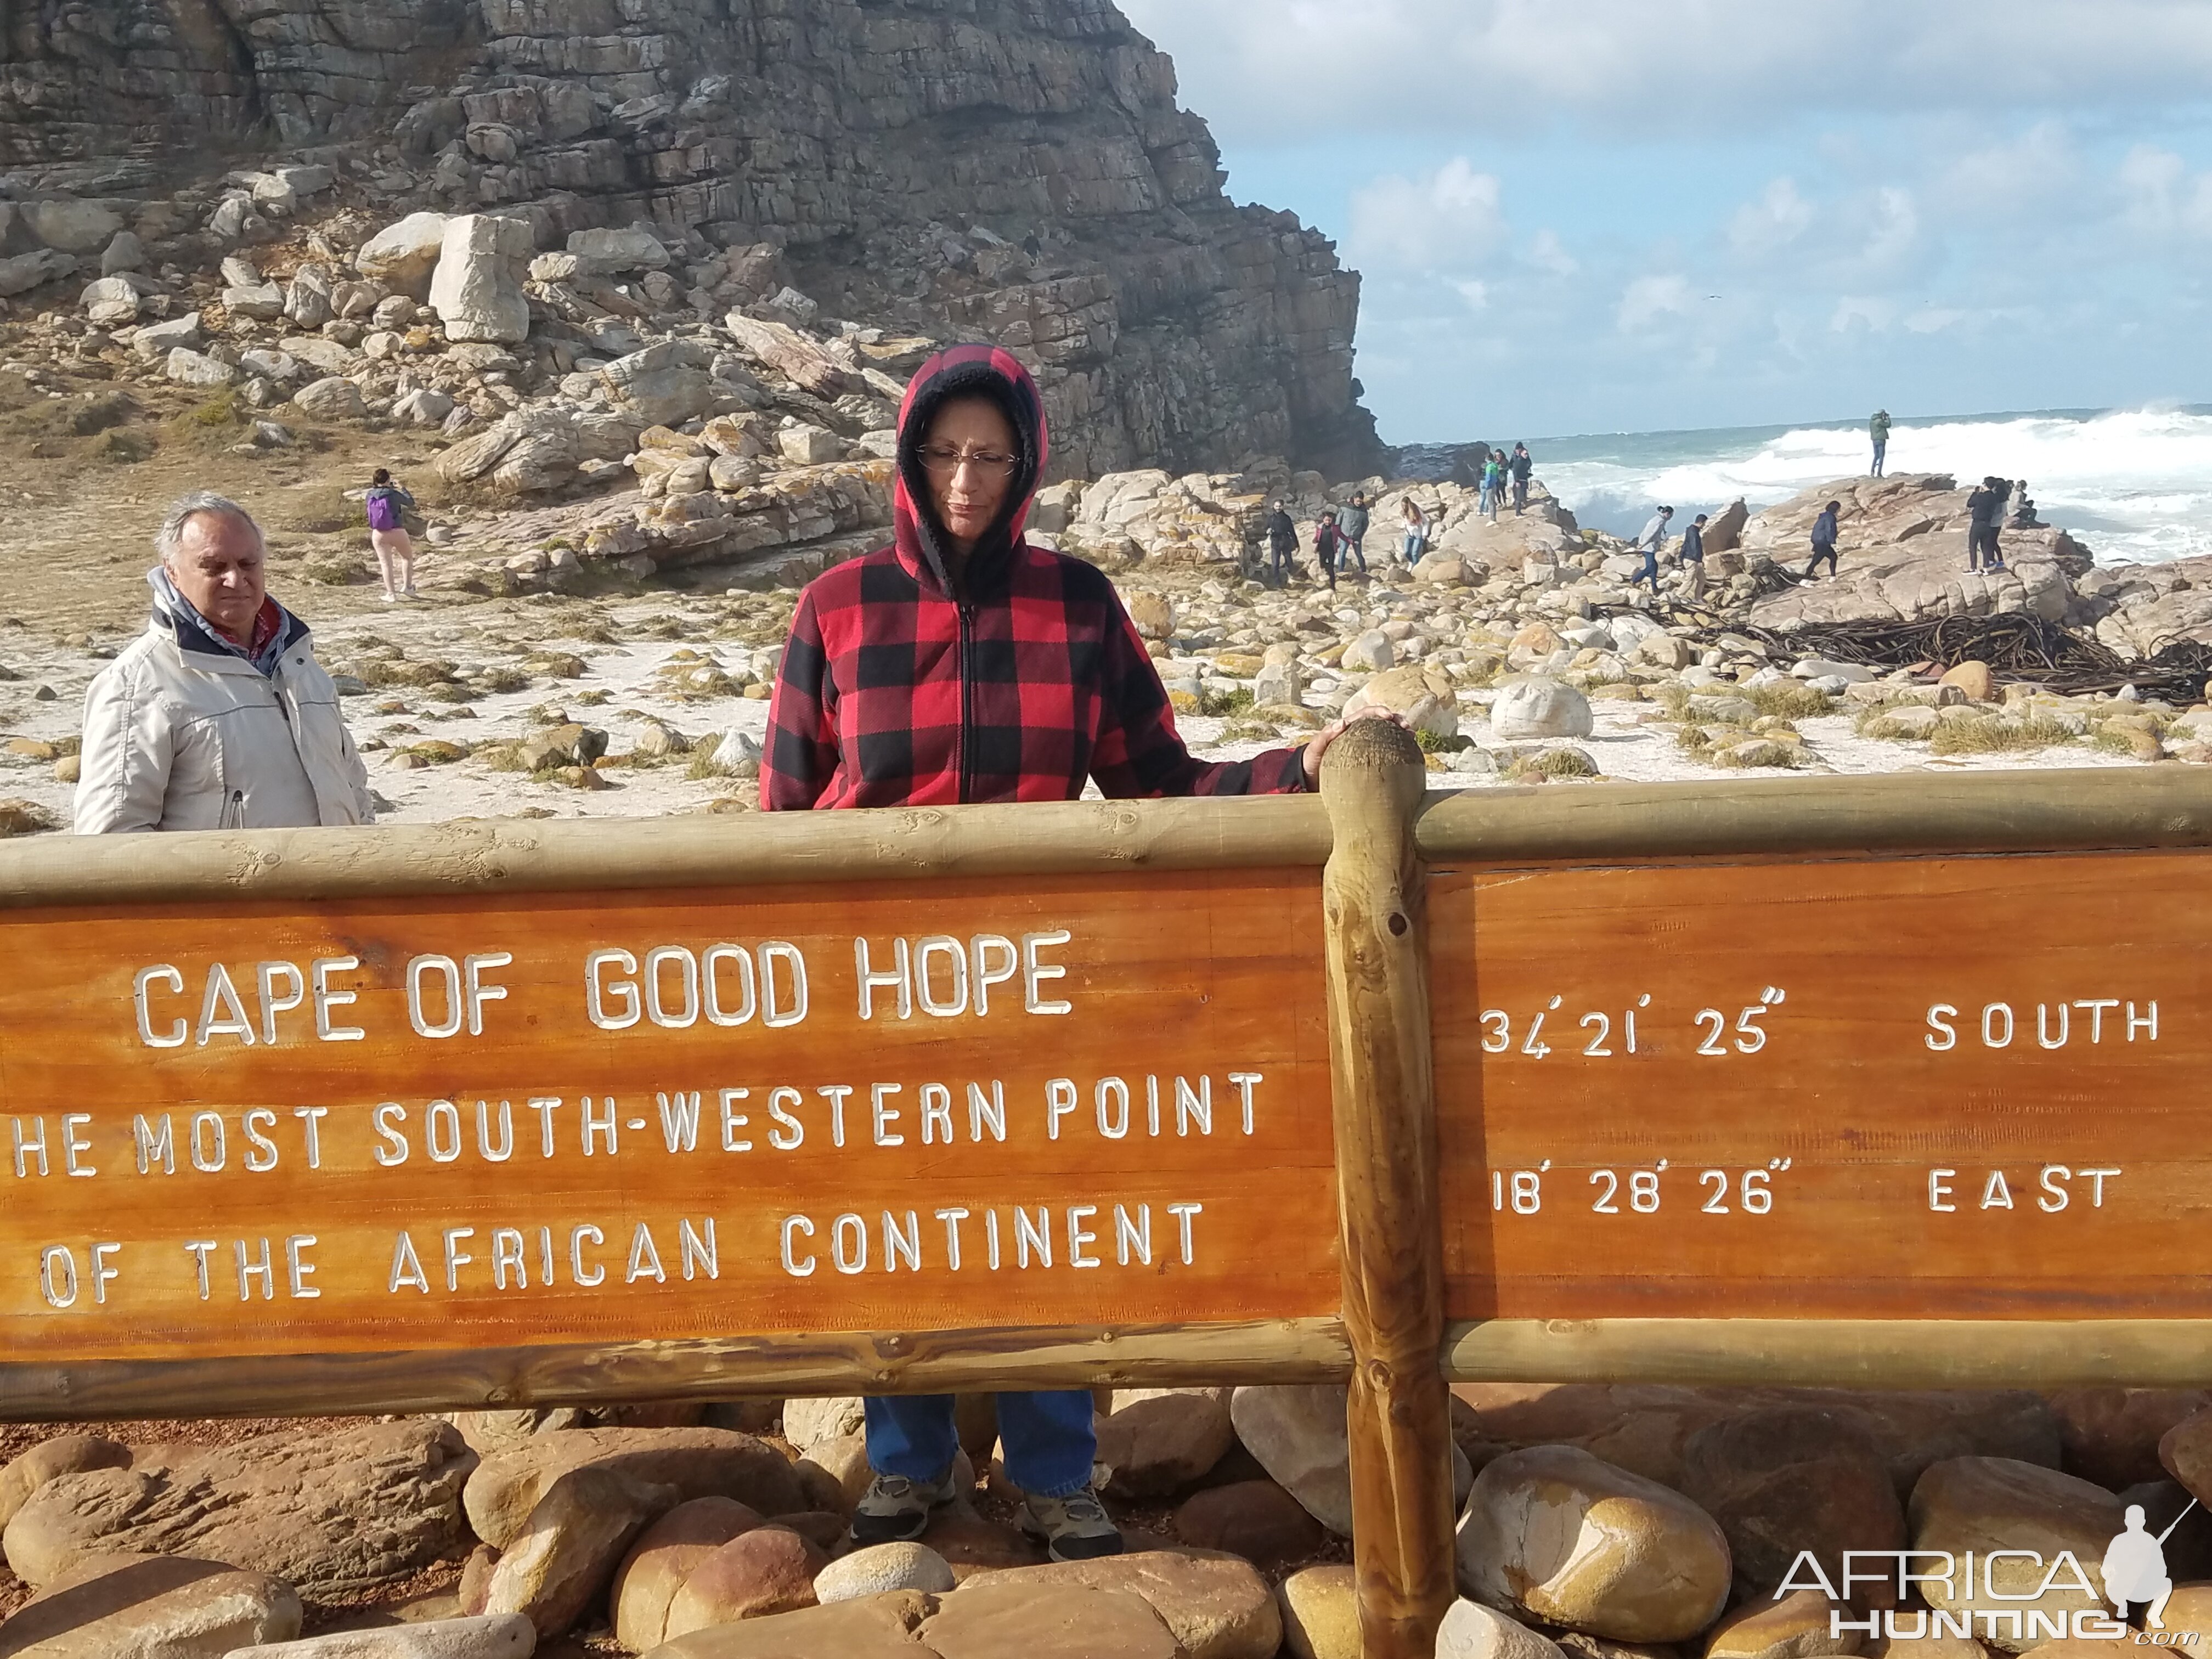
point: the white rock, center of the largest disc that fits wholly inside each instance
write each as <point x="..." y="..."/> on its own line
<point x="811" y="1423"/>
<point x="477" y="288"/>
<point x="265" y="303"/>
<point x="1540" y="707"/>
<point x="333" y="397"/>
<point x="499" y="1636"/>
<point x="233" y="218"/>
<point x="619" y="250"/>
<point x="428" y="407"/>
<point x="880" y="1570"/>
<point x="28" y="271"/>
<point x="1371" y="652"/>
<point x="125" y="252"/>
<point x="190" y="369"/>
<point x="110" y="302"/>
<point x="404" y="255"/>
<point x="158" y="339"/>
<point x="271" y="365"/>
<point x="1471" y="1631"/>
<point x="71" y="226"/>
<point x="307" y="302"/>
<point x="1819" y="668"/>
<point x="810" y="445"/>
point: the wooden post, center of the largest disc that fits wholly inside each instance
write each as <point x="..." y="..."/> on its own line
<point x="1386" y="1159"/>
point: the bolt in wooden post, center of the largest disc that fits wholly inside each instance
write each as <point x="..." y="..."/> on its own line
<point x="1392" y="1239"/>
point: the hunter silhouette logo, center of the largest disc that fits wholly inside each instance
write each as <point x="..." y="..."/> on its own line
<point x="1963" y="1595"/>
<point x="2134" y="1568"/>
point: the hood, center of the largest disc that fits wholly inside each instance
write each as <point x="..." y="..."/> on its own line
<point x="967" y="371"/>
<point x="196" y="634"/>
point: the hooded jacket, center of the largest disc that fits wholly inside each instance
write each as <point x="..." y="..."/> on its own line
<point x="899" y="687"/>
<point x="183" y="732"/>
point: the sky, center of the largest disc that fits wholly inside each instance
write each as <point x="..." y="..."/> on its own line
<point x="1599" y="215"/>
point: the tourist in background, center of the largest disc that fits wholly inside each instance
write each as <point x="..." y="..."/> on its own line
<point x="1693" y="556"/>
<point x="895" y="662"/>
<point x="1878" y="430"/>
<point x="1648" y="542"/>
<point x="1353" y="523"/>
<point x="1414" y="526"/>
<point x="218" y="717"/>
<point x="1282" y="543"/>
<point x="1328" y="546"/>
<point x="1984" y="511"/>
<point x="1522" y="465"/>
<point x="388" y="505"/>
<point x="2023" y="510"/>
<point x="1823" y="540"/>
<point x="1493" y="485"/>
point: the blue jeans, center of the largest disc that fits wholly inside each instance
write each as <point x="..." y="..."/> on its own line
<point x="1650" y="571"/>
<point x="1048" y="1437"/>
<point x="1880" y="453"/>
<point x="1415" y="541"/>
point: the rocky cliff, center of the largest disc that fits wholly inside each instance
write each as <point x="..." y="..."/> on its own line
<point x="1012" y="168"/>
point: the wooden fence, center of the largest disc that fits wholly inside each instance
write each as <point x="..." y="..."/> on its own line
<point x="1879" y="1081"/>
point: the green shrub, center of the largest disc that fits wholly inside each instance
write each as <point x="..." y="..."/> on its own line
<point x="1793" y="702"/>
<point x="1218" y="705"/>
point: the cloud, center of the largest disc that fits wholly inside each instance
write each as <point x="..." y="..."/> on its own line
<point x="1548" y="253"/>
<point x="1448" y="221"/>
<point x="1512" y="67"/>
<point x="2160" y="199"/>
<point x="1771" y="223"/>
<point x="1648" y="299"/>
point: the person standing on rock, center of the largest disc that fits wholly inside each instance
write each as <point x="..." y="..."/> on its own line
<point x="1984" y="512"/>
<point x="1494" y="486"/>
<point x="218" y="717"/>
<point x="1282" y="543"/>
<point x="1414" y="526"/>
<point x="1520" y="465"/>
<point x="1693" y="556"/>
<point x="1328" y="546"/>
<point x="1648" y="541"/>
<point x="1352" y="524"/>
<point x="1878" y="430"/>
<point x="1823" y="540"/>
<point x="388" y="505"/>
<point x="962" y="664"/>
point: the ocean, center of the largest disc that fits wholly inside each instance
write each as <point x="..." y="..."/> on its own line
<point x="2132" y="485"/>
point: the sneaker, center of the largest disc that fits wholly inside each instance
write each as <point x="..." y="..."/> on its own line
<point x="408" y="593"/>
<point x="391" y="599"/>
<point x="897" y="1509"/>
<point x="1076" y="1527"/>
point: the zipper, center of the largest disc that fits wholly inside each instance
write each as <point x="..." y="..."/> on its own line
<point x="967" y="701"/>
<point x="233" y="812"/>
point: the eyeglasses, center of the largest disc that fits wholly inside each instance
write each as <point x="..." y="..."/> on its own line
<point x="944" y="461"/>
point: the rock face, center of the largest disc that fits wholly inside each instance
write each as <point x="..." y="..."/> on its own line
<point x="1170" y="324"/>
<point x="332" y="1514"/>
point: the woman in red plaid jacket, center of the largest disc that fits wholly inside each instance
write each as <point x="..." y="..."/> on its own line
<point x="958" y="664"/>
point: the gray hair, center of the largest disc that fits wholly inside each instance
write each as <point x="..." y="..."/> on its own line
<point x="185" y="508"/>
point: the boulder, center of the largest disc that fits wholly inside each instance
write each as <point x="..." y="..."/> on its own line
<point x="477" y="288"/>
<point x="72" y="227"/>
<point x="1371" y="652"/>
<point x="404" y="256"/>
<point x="1254" y="1519"/>
<point x="613" y="251"/>
<point x="1975" y="679"/>
<point x="1540" y="708"/>
<point x="1986" y="1504"/>
<point x="784" y="349"/>
<point x="810" y="445"/>
<point x="1424" y="699"/>
<point x="1788" y="1479"/>
<point x="766" y="1570"/>
<point x="1471" y="1631"/>
<point x="664" y="383"/>
<point x="570" y="1546"/>
<point x="1297" y="1434"/>
<point x="25" y="272"/>
<point x="1320" y="1607"/>
<point x="526" y="452"/>
<point x="333" y="397"/>
<point x="1154" y="1442"/>
<point x="1572" y="1540"/>
<point x="1215" y="1606"/>
<point x="110" y="301"/>
<point x="426" y="407"/>
<point x="883" y="1568"/>
<point x="307" y="300"/>
<point x="503" y="1636"/>
<point x="261" y="303"/>
<point x="68" y="1454"/>
<point x="124" y="1606"/>
<point x="333" y="1512"/>
<point x="697" y="1462"/>
<point x="157" y="340"/>
<point x="871" y="1627"/>
<point x="1152" y="614"/>
<point x="1046" y="1621"/>
<point x="663" y="1556"/>
<point x="1797" y="1626"/>
<point x="2109" y="1436"/>
<point x="191" y="368"/>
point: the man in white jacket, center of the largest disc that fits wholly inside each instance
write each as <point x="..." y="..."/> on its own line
<point x="218" y="717"/>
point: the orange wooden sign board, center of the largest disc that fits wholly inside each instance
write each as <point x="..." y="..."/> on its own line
<point x="461" y="1122"/>
<point x="1963" y="1088"/>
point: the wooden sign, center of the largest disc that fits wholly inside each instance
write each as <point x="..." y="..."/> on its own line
<point x="462" y="1122"/>
<point x="1939" y="1088"/>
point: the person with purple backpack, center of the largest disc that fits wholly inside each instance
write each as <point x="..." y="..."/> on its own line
<point x="388" y="505"/>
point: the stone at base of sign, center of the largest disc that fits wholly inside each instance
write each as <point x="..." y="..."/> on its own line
<point x="113" y="1604"/>
<point x="1015" y="1620"/>
<point x="1471" y="1631"/>
<point x="571" y="1545"/>
<point x="1255" y="1519"/>
<point x="697" y="1462"/>
<point x="1217" y="1606"/>
<point x="663" y="1556"/>
<point x="507" y="1637"/>
<point x="68" y="1454"/>
<point x="881" y="1569"/>
<point x="757" y="1574"/>
<point x="1321" y="1612"/>
<point x="873" y="1627"/>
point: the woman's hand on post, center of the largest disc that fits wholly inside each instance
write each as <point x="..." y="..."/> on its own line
<point x="1329" y="734"/>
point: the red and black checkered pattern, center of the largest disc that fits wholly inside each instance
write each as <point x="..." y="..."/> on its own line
<point x="893" y="692"/>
